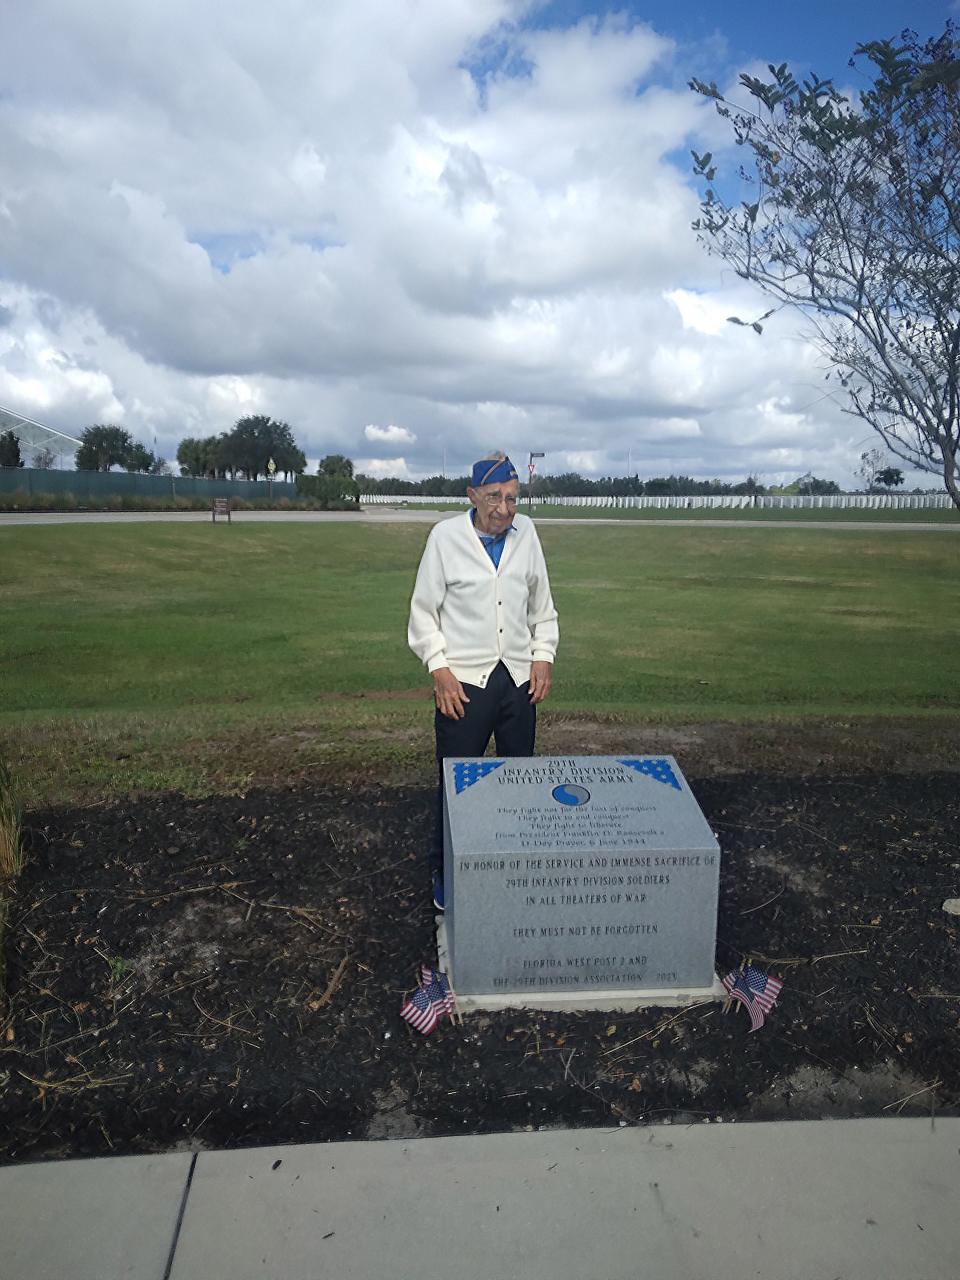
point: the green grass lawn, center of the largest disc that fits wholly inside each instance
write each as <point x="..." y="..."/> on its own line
<point x="123" y="648"/>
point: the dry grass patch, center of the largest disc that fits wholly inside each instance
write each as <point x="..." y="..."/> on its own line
<point x="11" y="860"/>
<point x="11" y="856"/>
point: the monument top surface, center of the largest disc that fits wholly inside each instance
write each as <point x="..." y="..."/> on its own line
<point x="572" y="804"/>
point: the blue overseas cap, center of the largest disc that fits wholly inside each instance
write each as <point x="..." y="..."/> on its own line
<point x="493" y="471"/>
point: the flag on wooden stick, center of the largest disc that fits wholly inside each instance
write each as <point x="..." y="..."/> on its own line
<point x="430" y="1002"/>
<point x="755" y="990"/>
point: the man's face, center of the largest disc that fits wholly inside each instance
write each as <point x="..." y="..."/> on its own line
<point x="496" y="505"/>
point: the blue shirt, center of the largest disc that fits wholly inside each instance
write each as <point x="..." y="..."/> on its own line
<point x="493" y="543"/>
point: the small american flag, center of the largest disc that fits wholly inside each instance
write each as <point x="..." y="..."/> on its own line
<point x="755" y="990"/>
<point x="432" y="1001"/>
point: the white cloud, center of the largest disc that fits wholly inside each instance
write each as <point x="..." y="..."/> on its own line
<point x="378" y="467"/>
<point x="585" y="460"/>
<point x="389" y="435"/>
<point x="699" y="312"/>
<point x="320" y="213"/>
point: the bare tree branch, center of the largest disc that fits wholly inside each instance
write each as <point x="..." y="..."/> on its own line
<point x="852" y="216"/>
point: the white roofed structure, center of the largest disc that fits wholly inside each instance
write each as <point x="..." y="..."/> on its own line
<point x="34" y="435"/>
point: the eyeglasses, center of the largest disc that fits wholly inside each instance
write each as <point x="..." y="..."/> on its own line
<point x="494" y="499"/>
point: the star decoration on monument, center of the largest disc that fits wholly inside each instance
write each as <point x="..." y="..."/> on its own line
<point x="659" y="770"/>
<point x="467" y="772"/>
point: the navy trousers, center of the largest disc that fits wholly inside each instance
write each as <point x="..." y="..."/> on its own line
<point x="502" y="710"/>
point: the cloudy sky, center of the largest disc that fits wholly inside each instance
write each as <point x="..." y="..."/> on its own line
<point x="413" y="229"/>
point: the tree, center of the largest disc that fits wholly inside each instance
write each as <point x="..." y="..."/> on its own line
<point x="140" y="458"/>
<point x="10" y="450"/>
<point x="202" y="456"/>
<point x="289" y="457"/>
<point x="337" y="491"/>
<point x="335" y="464"/>
<point x="191" y="457"/>
<point x="102" y="446"/>
<point x="871" y="463"/>
<point x="256" y="439"/>
<point x="44" y="459"/>
<point x="852" y="215"/>
<point x="228" y="453"/>
<point x="876" y="473"/>
<point x="812" y="487"/>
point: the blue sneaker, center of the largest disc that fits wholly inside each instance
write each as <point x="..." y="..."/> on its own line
<point x="438" y="899"/>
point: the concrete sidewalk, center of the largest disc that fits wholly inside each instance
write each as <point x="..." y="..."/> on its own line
<point x="857" y="1199"/>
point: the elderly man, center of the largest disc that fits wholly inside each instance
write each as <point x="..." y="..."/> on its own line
<point x="482" y="621"/>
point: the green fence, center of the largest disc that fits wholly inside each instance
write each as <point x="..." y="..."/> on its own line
<point x="106" y="484"/>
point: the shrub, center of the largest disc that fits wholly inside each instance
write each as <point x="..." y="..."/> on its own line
<point x="333" y="493"/>
<point x="22" y="500"/>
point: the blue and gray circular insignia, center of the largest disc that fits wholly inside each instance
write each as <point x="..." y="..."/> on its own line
<point x="568" y="793"/>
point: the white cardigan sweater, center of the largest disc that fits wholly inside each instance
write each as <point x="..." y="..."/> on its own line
<point x="467" y="615"/>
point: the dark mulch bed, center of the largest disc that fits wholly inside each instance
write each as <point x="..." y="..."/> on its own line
<point x="228" y="971"/>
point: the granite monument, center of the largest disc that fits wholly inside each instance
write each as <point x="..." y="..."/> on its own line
<point x="577" y="876"/>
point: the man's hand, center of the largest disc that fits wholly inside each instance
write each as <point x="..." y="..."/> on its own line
<point x="541" y="681"/>
<point x="448" y="694"/>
